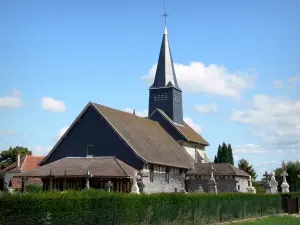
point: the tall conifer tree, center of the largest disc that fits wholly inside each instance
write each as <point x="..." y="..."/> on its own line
<point x="229" y="149"/>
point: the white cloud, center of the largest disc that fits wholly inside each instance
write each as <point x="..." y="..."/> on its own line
<point x="278" y="84"/>
<point x="11" y="101"/>
<point x="275" y="120"/>
<point x="192" y="124"/>
<point x="248" y="148"/>
<point x="266" y="162"/>
<point x="212" y="79"/>
<point x="8" y="132"/>
<point x="143" y="113"/>
<point x="289" y="83"/>
<point x="41" y="150"/>
<point x="61" y="132"/>
<point x="294" y="79"/>
<point x="53" y="105"/>
<point x="213" y="107"/>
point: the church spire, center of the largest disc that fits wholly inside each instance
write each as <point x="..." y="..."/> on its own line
<point x="165" y="74"/>
<point x="165" y="93"/>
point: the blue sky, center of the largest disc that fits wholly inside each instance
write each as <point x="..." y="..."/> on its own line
<point x="237" y="63"/>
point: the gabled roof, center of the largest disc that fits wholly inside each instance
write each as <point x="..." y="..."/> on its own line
<point x="146" y="138"/>
<point x="220" y="169"/>
<point x="108" y="166"/>
<point x="185" y="130"/>
<point x="165" y="73"/>
<point x="27" y="162"/>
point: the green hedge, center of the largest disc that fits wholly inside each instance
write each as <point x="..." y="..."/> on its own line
<point x="97" y="207"/>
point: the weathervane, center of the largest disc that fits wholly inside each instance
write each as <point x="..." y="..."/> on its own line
<point x="165" y="14"/>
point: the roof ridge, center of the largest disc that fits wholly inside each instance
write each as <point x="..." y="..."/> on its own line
<point x="171" y="121"/>
<point x="116" y="160"/>
<point x="21" y="166"/>
<point x="119" y="110"/>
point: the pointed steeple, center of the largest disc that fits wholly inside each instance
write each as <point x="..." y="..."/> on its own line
<point x="165" y="73"/>
<point x="165" y="93"/>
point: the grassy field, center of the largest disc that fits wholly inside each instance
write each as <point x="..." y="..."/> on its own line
<point x="276" y="220"/>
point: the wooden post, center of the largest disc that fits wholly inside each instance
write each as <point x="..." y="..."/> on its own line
<point x="50" y="180"/>
<point x="65" y="181"/>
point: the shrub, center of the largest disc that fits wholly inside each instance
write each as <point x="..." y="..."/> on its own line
<point x="33" y="188"/>
<point x="98" y="207"/>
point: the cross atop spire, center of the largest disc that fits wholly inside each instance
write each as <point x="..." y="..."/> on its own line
<point x="165" y="14"/>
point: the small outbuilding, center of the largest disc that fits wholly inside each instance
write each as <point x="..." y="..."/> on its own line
<point x="84" y="172"/>
<point x="228" y="178"/>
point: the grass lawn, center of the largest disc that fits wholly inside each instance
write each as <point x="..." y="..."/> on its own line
<point x="275" y="220"/>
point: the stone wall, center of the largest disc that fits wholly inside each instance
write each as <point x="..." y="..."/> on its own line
<point x="228" y="185"/>
<point x="160" y="184"/>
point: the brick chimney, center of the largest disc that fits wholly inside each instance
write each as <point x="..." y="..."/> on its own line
<point x="18" y="160"/>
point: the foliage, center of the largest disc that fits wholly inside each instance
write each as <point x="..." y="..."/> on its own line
<point x="274" y="220"/>
<point x="259" y="187"/>
<point x="244" y="164"/>
<point x="9" y="156"/>
<point x="33" y="188"/>
<point x="224" y="154"/>
<point x="98" y="207"/>
<point x="293" y="169"/>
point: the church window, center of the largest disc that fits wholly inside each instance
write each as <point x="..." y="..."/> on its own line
<point x="238" y="187"/>
<point x="155" y="97"/>
<point x="167" y="174"/>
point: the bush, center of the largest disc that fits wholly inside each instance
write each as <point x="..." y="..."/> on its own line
<point x="98" y="207"/>
<point x="33" y="188"/>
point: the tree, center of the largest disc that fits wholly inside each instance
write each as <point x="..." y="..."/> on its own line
<point x="9" y="156"/>
<point x="244" y="165"/>
<point x="218" y="157"/>
<point x="293" y="169"/>
<point x="229" y="149"/>
<point x="224" y="154"/>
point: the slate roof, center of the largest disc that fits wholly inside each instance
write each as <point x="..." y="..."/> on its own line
<point x="189" y="133"/>
<point x="27" y="162"/>
<point x="147" y="138"/>
<point x="165" y="73"/>
<point x="108" y="166"/>
<point x="220" y="169"/>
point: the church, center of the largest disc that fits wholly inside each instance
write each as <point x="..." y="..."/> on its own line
<point x="108" y="147"/>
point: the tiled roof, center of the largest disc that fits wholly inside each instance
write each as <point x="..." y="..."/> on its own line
<point x="31" y="162"/>
<point x="220" y="169"/>
<point x="27" y="162"/>
<point x="72" y="166"/>
<point x="16" y="182"/>
<point x="147" y="138"/>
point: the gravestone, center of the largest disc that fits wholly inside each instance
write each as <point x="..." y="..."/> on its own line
<point x="273" y="183"/>
<point x="266" y="183"/>
<point x="134" y="187"/>
<point x="87" y="179"/>
<point x="199" y="188"/>
<point x="108" y="186"/>
<point x="212" y="185"/>
<point x="250" y="188"/>
<point x="284" y="186"/>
